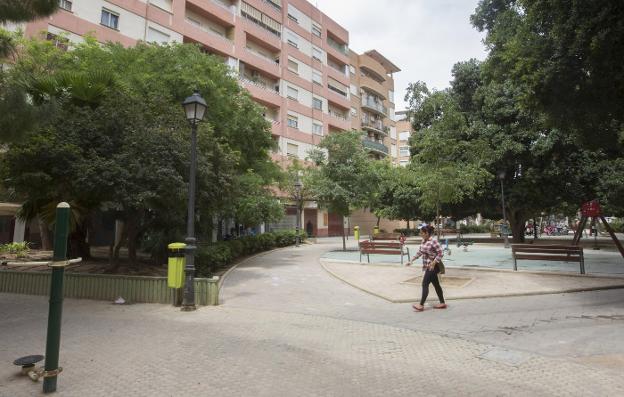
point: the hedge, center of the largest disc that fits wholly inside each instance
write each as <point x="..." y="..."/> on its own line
<point x="223" y="253"/>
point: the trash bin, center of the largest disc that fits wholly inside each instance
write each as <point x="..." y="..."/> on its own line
<point x="376" y="230"/>
<point x="175" y="270"/>
<point x="356" y="232"/>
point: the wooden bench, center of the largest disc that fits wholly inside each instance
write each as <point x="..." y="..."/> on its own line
<point x="387" y="237"/>
<point x="560" y="253"/>
<point x="383" y="248"/>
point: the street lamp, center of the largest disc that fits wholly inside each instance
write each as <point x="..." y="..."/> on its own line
<point x="298" y="187"/>
<point x="501" y="177"/>
<point x="195" y="107"/>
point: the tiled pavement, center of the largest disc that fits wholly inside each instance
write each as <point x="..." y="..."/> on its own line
<point x="286" y="328"/>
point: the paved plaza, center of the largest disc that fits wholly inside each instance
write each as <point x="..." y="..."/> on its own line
<point x="286" y="327"/>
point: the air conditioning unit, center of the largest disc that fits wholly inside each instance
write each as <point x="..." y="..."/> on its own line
<point x="254" y="73"/>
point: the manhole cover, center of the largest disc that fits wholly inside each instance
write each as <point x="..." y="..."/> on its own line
<point x="446" y="281"/>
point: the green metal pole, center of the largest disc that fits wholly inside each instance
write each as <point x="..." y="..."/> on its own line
<point x="53" y="340"/>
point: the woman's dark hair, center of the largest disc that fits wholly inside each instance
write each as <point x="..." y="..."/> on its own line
<point x="427" y="229"/>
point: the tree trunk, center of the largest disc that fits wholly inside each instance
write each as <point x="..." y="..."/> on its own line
<point x="133" y="234"/>
<point x="344" y="241"/>
<point x="378" y="220"/>
<point x="44" y="233"/>
<point x="517" y="222"/>
<point x="408" y="225"/>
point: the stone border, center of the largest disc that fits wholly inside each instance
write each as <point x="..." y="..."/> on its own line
<point x="501" y="295"/>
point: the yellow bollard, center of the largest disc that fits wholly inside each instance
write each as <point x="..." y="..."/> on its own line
<point x="175" y="270"/>
<point x="356" y="233"/>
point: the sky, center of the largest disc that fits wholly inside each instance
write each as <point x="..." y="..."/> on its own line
<point x="424" y="38"/>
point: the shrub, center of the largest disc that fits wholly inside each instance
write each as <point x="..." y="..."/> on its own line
<point x="475" y="228"/>
<point x="407" y="232"/>
<point x="18" y="249"/>
<point x="223" y="253"/>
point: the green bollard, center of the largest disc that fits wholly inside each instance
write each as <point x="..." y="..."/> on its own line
<point x="59" y="261"/>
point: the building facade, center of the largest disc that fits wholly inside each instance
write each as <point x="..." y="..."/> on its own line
<point x="293" y="59"/>
<point x="404" y="131"/>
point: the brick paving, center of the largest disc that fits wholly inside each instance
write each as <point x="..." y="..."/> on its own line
<point x="287" y="328"/>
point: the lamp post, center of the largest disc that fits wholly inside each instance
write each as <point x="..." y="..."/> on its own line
<point x="195" y="107"/>
<point x="501" y="177"/>
<point x="298" y="186"/>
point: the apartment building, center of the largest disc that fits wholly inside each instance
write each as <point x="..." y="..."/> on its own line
<point x="292" y="58"/>
<point x="372" y="102"/>
<point x="404" y="128"/>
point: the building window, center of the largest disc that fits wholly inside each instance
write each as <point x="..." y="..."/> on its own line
<point x="65" y="5"/>
<point x="353" y="112"/>
<point x="293" y="66"/>
<point x="109" y="19"/>
<point x="156" y="36"/>
<point x="404" y="151"/>
<point x="292" y="39"/>
<point x="317" y="77"/>
<point x="317" y="103"/>
<point x="391" y="96"/>
<point x="317" y="54"/>
<point x="293" y="121"/>
<point x="353" y="89"/>
<point x="292" y="18"/>
<point x="316" y="31"/>
<point x="404" y="135"/>
<point x="292" y="93"/>
<point x="58" y="41"/>
<point x="403" y="163"/>
<point x="352" y="69"/>
<point x="393" y="150"/>
<point x="292" y="150"/>
<point x="317" y="129"/>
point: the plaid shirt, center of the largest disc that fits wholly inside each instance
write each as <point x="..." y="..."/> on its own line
<point x="430" y="250"/>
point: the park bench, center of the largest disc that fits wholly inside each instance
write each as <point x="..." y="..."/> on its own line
<point x="560" y="253"/>
<point x="383" y="248"/>
<point x="387" y="237"/>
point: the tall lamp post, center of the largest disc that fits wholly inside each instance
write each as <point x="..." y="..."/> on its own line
<point x="195" y="107"/>
<point x="298" y="187"/>
<point x="501" y="177"/>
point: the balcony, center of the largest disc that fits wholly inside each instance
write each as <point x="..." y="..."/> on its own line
<point x="375" y="126"/>
<point x="213" y="9"/>
<point x="277" y="4"/>
<point x="375" y="105"/>
<point x="373" y="87"/>
<point x="375" y="147"/>
<point x="342" y="48"/>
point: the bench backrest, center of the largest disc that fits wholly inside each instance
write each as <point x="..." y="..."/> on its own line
<point x="387" y="236"/>
<point x="377" y="244"/>
<point x="546" y="248"/>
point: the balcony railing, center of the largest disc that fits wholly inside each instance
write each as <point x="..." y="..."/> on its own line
<point x="370" y="103"/>
<point x="375" y="146"/>
<point x="277" y="4"/>
<point x="337" y="115"/>
<point x="266" y="57"/>
<point x="340" y="47"/>
<point x="260" y="84"/>
<point x="224" y="5"/>
<point x="208" y="30"/>
<point x="376" y="124"/>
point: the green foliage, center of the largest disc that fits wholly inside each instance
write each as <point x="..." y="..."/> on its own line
<point x="223" y="253"/>
<point x="115" y="138"/>
<point x="24" y="11"/>
<point x="18" y="249"/>
<point x="484" y="228"/>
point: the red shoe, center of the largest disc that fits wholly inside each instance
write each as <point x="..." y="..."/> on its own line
<point x="418" y="308"/>
<point x="440" y="306"/>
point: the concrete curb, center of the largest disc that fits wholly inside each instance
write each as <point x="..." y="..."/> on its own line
<point x="502" y="295"/>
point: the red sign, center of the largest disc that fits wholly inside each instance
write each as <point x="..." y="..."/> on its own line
<point x="591" y="209"/>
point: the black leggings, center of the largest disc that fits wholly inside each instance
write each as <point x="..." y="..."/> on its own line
<point x="431" y="276"/>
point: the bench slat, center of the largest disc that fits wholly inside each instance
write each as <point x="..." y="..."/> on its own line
<point x="555" y="251"/>
<point x="546" y="247"/>
<point x="376" y="251"/>
<point x="559" y="258"/>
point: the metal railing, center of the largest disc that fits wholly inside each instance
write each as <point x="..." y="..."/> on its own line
<point x="206" y="29"/>
<point x="375" y="146"/>
<point x="340" y="47"/>
<point x="375" y="105"/>
<point x="376" y="124"/>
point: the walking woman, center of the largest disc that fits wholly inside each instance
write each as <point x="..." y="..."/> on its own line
<point x="431" y="253"/>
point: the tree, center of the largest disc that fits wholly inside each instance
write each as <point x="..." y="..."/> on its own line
<point x="399" y="195"/>
<point x="449" y="163"/>
<point x="117" y="139"/>
<point x="568" y="56"/>
<point x="340" y="181"/>
<point x="26" y="10"/>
